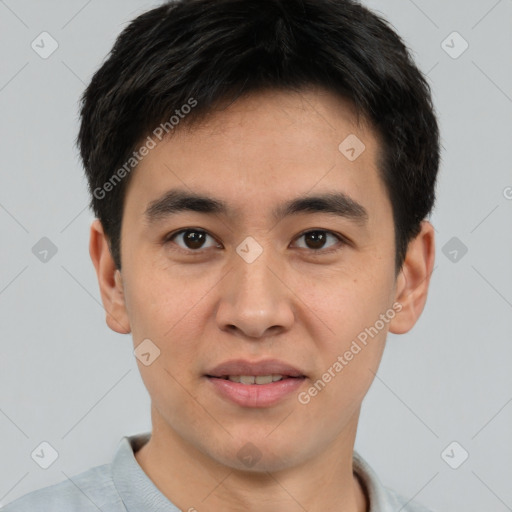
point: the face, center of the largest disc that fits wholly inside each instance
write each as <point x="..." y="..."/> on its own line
<point x="283" y="265"/>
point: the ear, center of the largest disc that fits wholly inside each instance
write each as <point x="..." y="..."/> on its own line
<point x="109" y="279"/>
<point x="414" y="279"/>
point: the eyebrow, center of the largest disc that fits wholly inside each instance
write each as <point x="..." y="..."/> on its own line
<point x="177" y="200"/>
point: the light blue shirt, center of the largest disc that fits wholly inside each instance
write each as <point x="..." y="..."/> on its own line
<point x="122" y="486"/>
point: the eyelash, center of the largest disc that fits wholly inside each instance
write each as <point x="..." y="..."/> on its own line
<point x="316" y="252"/>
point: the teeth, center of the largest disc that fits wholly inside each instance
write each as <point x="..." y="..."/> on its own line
<point x="263" y="379"/>
<point x="251" y="379"/>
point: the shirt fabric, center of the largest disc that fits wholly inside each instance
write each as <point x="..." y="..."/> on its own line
<point x="122" y="486"/>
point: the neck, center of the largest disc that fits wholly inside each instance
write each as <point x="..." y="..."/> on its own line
<point x="326" y="482"/>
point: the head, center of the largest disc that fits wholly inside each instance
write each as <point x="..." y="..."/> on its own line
<point x="297" y="143"/>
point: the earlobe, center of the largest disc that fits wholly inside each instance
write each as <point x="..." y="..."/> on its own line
<point x="109" y="280"/>
<point x="414" y="279"/>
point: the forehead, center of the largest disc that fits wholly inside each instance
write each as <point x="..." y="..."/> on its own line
<point x="263" y="149"/>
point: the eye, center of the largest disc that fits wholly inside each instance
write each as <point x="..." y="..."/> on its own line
<point x="317" y="239"/>
<point x="192" y="239"/>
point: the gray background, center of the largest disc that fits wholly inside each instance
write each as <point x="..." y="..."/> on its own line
<point x="66" y="379"/>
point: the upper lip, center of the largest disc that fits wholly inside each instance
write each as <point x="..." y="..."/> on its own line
<point x="255" y="368"/>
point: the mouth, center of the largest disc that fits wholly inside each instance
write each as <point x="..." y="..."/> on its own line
<point x="255" y="384"/>
<point x="254" y="379"/>
<point x="254" y="372"/>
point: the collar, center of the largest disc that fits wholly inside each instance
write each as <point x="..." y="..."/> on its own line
<point x="138" y="492"/>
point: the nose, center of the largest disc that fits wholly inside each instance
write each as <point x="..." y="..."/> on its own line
<point x="255" y="301"/>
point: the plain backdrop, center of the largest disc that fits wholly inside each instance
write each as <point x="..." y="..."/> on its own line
<point x="67" y="380"/>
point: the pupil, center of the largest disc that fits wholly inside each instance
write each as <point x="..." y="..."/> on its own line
<point x="194" y="239"/>
<point x="314" y="239"/>
<point x="317" y="239"/>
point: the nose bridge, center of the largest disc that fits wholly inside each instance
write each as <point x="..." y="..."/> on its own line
<point x="254" y="300"/>
<point x="254" y="278"/>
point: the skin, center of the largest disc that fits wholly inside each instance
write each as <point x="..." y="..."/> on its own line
<point x="293" y="303"/>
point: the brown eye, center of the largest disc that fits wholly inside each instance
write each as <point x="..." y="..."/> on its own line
<point x="317" y="239"/>
<point x="193" y="239"/>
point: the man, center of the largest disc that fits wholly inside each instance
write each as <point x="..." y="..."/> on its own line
<point x="261" y="173"/>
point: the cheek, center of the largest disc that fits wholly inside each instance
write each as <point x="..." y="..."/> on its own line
<point x="358" y="312"/>
<point x="172" y="312"/>
<point x="348" y="302"/>
<point x="159" y="302"/>
<point x="345" y="371"/>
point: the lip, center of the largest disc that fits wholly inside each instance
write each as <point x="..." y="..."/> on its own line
<point x="255" y="395"/>
<point x="244" y="367"/>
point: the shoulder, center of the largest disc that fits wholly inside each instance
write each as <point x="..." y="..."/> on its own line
<point x="89" y="491"/>
<point x="399" y="502"/>
<point x="380" y="497"/>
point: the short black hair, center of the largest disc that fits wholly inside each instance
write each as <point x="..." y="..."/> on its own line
<point x="187" y="56"/>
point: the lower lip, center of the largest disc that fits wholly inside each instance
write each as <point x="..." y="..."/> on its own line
<point x="256" y="395"/>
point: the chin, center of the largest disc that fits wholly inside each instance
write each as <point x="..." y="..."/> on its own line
<point x="256" y="455"/>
